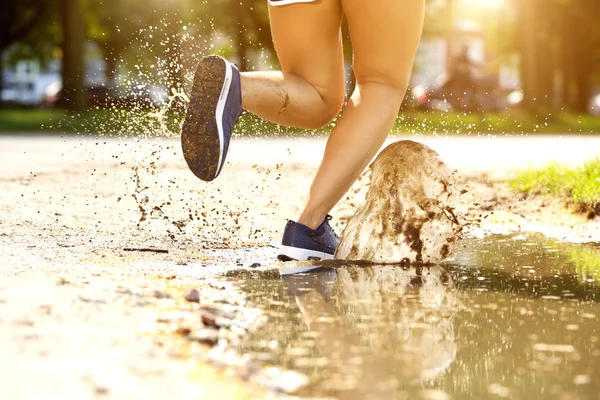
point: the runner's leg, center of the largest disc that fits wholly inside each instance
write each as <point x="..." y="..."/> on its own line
<point x="309" y="90"/>
<point x="385" y="35"/>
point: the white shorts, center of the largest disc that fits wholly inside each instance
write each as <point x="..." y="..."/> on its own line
<point x="285" y="2"/>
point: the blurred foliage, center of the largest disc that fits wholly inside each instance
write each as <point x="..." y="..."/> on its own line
<point x="437" y="18"/>
<point x="141" y="121"/>
<point x="28" y="29"/>
<point x="559" y="48"/>
<point x="556" y="41"/>
<point x="513" y="121"/>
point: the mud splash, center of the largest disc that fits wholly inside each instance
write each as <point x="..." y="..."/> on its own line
<point x="409" y="214"/>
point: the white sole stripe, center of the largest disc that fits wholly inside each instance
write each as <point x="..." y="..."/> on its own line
<point x="286" y="2"/>
<point x="303" y="254"/>
<point x="221" y="109"/>
<point x="287" y="269"/>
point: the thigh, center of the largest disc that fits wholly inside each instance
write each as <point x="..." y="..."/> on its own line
<point x="308" y="43"/>
<point x="385" y="35"/>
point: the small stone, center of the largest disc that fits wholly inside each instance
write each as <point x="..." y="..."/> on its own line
<point x="90" y="300"/>
<point x="102" y="390"/>
<point x="161" y="295"/>
<point x="208" y="319"/>
<point x="224" y="310"/>
<point x="62" y="281"/>
<point x="255" y="265"/>
<point x="183" y="331"/>
<point x="193" y="296"/>
<point x="285" y="381"/>
<point x="207" y="336"/>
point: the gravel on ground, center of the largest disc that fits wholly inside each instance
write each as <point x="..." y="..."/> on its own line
<point x="103" y="239"/>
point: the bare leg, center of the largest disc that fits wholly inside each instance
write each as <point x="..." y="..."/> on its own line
<point x="385" y="35"/>
<point x="309" y="91"/>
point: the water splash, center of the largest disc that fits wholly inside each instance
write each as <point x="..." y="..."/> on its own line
<point x="177" y="97"/>
<point x="409" y="214"/>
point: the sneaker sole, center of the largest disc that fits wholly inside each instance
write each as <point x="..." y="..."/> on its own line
<point x="202" y="134"/>
<point x="293" y="268"/>
<point x="288" y="253"/>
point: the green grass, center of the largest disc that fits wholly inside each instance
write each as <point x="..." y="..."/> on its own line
<point x="28" y="120"/>
<point x="409" y="121"/>
<point x="515" y="122"/>
<point x="579" y="185"/>
<point x="96" y="121"/>
<point x="587" y="263"/>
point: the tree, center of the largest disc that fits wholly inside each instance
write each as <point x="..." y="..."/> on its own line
<point x="111" y="23"/>
<point x="559" y="43"/>
<point x="73" y="49"/>
<point x="244" y="23"/>
<point x="17" y="20"/>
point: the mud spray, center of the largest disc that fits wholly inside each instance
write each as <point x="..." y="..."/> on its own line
<point x="152" y="111"/>
<point x="214" y="219"/>
<point x="409" y="212"/>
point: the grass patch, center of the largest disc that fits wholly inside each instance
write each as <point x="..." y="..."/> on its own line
<point x="136" y="122"/>
<point x="580" y="185"/>
<point x="515" y="122"/>
<point x="40" y="120"/>
<point x="108" y="122"/>
<point x="29" y="120"/>
<point x="587" y="264"/>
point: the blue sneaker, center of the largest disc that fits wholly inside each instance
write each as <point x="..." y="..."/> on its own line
<point x="214" y="109"/>
<point x="302" y="243"/>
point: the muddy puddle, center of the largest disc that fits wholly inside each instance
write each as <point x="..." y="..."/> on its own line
<point x="509" y="317"/>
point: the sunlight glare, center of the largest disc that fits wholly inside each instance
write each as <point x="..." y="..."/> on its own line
<point x="487" y="3"/>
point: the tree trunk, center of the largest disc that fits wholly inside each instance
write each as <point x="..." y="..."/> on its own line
<point x="584" y="71"/>
<point x="567" y="59"/>
<point x="450" y="6"/>
<point x="110" y="57"/>
<point x="175" y="69"/>
<point x="73" y="62"/>
<point x="526" y="37"/>
<point x="241" y="35"/>
<point x="174" y="61"/>
<point x="1" y="77"/>
<point x="545" y="57"/>
<point x="536" y="55"/>
<point x="263" y="31"/>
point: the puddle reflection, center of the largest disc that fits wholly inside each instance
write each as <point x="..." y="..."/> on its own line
<point x="506" y="319"/>
<point x="387" y="325"/>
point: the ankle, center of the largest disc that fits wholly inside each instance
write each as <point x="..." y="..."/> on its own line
<point x="312" y="221"/>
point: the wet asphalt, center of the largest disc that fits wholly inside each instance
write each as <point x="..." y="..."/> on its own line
<point x="102" y="238"/>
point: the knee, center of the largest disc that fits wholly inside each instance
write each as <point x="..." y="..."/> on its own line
<point x="332" y="104"/>
<point x="395" y="87"/>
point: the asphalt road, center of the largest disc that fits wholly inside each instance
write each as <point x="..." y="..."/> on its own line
<point x="79" y="313"/>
